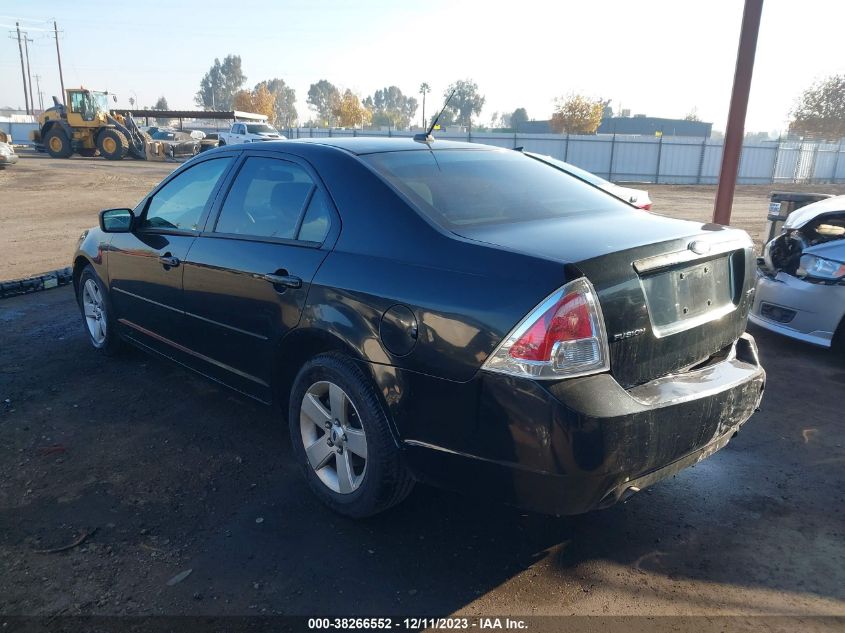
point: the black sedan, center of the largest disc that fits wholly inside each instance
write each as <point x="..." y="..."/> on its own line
<point x="451" y="313"/>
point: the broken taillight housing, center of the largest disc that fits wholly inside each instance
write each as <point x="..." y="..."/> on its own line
<point x="562" y="337"/>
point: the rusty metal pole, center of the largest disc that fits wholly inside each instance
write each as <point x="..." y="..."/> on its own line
<point x="736" y="116"/>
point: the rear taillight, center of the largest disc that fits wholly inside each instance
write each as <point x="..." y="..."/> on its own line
<point x="562" y="337"/>
<point x="646" y="207"/>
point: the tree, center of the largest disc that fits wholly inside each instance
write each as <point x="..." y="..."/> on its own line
<point x="260" y="101"/>
<point x="161" y="104"/>
<point x="323" y="98"/>
<point x="577" y="114"/>
<point x="756" y="137"/>
<point x="692" y="115"/>
<point x="518" y="118"/>
<point x="284" y="114"/>
<point x="446" y="119"/>
<point x="424" y="90"/>
<point x="820" y="111"/>
<point x="466" y="101"/>
<point x="391" y="107"/>
<point x="220" y="83"/>
<point x="349" y="112"/>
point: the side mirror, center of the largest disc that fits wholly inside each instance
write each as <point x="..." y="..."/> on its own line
<point x="117" y="220"/>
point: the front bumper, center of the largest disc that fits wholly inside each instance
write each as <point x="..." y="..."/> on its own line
<point x="9" y="159"/>
<point x="808" y="311"/>
<point x="587" y="443"/>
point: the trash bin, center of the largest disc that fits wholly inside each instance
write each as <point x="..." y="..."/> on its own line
<point x="781" y="204"/>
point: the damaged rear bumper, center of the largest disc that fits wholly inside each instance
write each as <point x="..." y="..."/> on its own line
<point x="587" y="443"/>
<point x="802" y="310"/>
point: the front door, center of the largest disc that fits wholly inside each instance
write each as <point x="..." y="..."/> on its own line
<point x="145" y="267"/>
<point x="247" y="277"/>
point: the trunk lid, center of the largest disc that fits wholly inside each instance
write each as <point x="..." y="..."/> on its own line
<point x="673" y="293"/>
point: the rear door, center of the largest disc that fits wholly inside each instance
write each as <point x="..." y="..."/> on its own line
<point x="145" y="266"/>
<point x="247" y="276"/>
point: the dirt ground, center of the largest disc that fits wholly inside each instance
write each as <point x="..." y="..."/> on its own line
<point x="129" y="486"/>
<point x="162" y="472"/>
<point x="46" y="203"/>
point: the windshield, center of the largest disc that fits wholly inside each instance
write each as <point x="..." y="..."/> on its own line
<point x="101" y="100"/>
<point x="260" y="128"/>
<point x="583" y="174"/>
<point x="459" y="188"/>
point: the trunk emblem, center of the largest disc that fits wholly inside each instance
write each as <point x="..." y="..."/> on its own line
<point x="621" y="336"/>
<point x="700" y="247"/>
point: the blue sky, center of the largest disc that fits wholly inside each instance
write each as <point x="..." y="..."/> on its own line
<point x="659" y="57"/>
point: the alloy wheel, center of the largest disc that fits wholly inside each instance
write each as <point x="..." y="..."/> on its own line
<point x="95" y="311"/>
<point x="333" y="436"/>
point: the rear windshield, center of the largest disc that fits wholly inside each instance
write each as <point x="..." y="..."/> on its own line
<point x="583" y="174"/>
<point x="259" y="128"/>
<point x="459" y="188"/>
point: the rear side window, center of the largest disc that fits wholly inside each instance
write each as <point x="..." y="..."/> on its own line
<point x="180" y="203"/>
<point x="266" y="200"/>
<point x="315" y="225"/>
<point x="458" y="188"/>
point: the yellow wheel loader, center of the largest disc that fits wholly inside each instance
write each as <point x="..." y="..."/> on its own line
<point x="84" y="125"/>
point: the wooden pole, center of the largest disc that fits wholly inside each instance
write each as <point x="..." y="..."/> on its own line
<point x="23" y="70"/>
<point x="735" y="130"/>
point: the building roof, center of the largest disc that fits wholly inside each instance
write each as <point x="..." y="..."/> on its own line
<point x="649" y="125"/>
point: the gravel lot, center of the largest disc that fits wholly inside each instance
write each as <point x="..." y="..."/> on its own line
<point x="138" y="472"/>
<point x="46" y="203"/>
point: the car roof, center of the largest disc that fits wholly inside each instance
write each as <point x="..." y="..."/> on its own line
<point x="375" y="144"/>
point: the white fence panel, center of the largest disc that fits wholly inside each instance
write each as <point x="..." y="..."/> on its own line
<point x="648" y="159"/>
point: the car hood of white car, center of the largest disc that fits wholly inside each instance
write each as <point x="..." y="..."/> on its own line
<point x="802" y="216"/>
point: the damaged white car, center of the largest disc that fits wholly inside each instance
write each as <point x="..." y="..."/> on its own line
<point x="801" y="277"/>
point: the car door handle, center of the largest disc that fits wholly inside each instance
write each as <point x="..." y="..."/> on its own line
<point x="286" y="281"/>
<point x="168" y="261"/>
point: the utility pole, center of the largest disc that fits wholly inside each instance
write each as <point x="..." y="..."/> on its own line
<point x="40" y="94"/>
<point x="59" y="56"/>
<point x="732" y="148"/>
<point x="26" y="41"/>
<point x="23" y="70"/>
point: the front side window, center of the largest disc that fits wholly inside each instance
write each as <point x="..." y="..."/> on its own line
<point x="266" y="199"/>
<point x="180" y="203"/>
<point x="469" y="187"/>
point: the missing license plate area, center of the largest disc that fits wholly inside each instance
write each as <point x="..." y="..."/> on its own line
<point x="681" y="298"/>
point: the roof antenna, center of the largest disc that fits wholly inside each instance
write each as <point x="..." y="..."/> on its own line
<point x="427" y="137"/>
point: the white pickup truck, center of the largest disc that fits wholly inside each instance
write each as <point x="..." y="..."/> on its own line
<point x="242" y="132"/>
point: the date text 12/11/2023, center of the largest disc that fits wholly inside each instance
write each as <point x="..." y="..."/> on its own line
<point x="413" y="624"/>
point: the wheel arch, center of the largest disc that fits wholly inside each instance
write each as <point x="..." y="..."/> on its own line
<point x="303" y="344"/>
<point x="79" y="264"/>
<point x="63" y="126"/>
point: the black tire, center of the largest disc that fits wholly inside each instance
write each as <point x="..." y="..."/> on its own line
<point x="112" y="144"/>
<point x="57" y="143"/>
<point x="838" y="343"/>
<point x="111" y="344"/>
<point x="221" y="143"/>
<point x="386" y="479"/>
